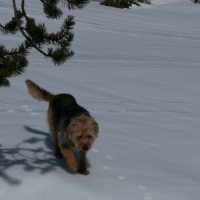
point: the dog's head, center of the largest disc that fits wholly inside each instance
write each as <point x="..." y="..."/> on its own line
<point x="83" y="131"/>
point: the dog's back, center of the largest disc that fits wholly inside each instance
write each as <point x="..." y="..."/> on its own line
<point x="65" y="107"/>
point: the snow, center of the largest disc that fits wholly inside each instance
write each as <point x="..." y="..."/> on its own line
<point x="137" y="72"/>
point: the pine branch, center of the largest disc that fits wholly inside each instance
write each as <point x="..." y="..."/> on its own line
<point x="23" y="33"/>
<point x="21" y="50"/>
<point x="3" y="81"/>
<point x="38" y="36"/>
<point x="1" y="27"/>
<point x="12" y="26"/>
<point x="75" y="4"/>
<point x="23" y="10"/>
<point x="14" y="62"/>
<point x="10" y="65"/>
<point x="119" y="3"/>
<point x="51" y="10"/>
<point x="59" y="55"/>
<point x="64" y="32"/>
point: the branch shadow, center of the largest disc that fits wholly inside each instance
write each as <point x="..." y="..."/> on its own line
<point x="30" y="158"/>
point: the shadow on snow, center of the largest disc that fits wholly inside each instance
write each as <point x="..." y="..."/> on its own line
<point x="30" y="158"/>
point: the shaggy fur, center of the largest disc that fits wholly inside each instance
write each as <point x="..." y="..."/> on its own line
<point x="77" y="128"/>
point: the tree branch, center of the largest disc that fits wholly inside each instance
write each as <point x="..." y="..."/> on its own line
<point x="22" y="31"/>
<point x="23" y="10"/>
<point x="1" y="25"/>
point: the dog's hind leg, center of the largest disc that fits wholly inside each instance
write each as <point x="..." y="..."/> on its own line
<point x="54" y="133"/>
<point x="82" y="163"/>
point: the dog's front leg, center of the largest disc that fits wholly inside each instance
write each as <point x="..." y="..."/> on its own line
<point x="71" y="161"/>
<point x="82" y="163"/>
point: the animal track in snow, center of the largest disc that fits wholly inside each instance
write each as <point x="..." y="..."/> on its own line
<point x="109" y="157"/>
<point x="10" y="111"/>
<point x="24" y="106"/>
<point x="95" y="150"/>
<point x="34" y="113"/>
<point x="107" y="168"/>
<point x="148" y="198"/>
<point x="121" y="178"/>
<point x="28" y="109"/>
<point x="143" y="188"/>
<point x="111" y="110"/>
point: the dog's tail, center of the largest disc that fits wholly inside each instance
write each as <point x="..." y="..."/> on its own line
<point x="37" y="92"/>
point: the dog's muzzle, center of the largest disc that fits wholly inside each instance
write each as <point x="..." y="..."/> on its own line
<point x="85" y="148"/>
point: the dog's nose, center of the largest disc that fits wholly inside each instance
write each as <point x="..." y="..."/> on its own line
<point x="85" y="148"/>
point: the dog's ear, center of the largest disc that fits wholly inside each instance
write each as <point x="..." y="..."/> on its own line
<point x="96" y="127"/>
<point x="71" y="128"/>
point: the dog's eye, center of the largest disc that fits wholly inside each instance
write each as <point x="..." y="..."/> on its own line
<point x="80" y="137"/>
<point x="89" y="136"/>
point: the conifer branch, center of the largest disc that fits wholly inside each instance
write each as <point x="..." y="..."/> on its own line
<point x="75" y="4"/>
<point x="23" y="10"/>
<point x="14" y="62"/>
<point x="23" y="33"/>
<point x="2" y="26"/>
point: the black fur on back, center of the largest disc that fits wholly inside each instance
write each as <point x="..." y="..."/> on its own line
<point x="65" y="108"/>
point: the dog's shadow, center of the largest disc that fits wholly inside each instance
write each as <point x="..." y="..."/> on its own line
<point x="32" y="158"/>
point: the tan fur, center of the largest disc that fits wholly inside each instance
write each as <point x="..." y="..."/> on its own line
<point x="79" y="135"/>
<point x="37" y="92"/>
<point x="82" y="131"/>
<point x="71" y="161"/>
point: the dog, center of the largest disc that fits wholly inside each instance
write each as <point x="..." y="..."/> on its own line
<point x="71" y="126"/>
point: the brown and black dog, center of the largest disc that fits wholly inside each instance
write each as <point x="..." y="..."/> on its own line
<point x="71" y="126"/>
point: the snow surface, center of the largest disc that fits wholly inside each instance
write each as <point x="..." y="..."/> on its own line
<point x="137" y="72"/>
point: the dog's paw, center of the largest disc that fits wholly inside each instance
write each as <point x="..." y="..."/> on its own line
<point x="72" y="166"/>
<point x="85" y="172"/>
<point x="58" y="155"/>
<point x="71" y="161"/>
